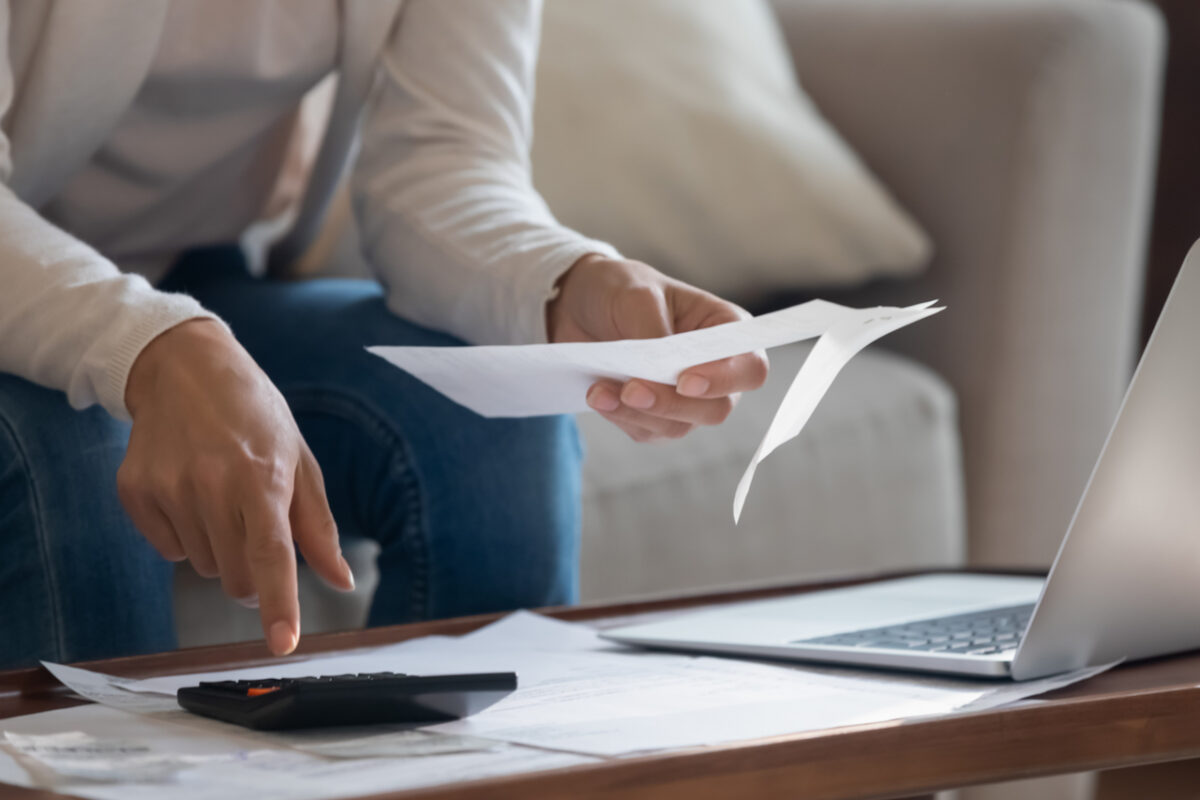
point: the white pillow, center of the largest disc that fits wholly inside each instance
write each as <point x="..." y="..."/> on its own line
<point x="675" y="130"/>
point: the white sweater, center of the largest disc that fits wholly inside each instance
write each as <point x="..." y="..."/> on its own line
<point x="98" y="93"/>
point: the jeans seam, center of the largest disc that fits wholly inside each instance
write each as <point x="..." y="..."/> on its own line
<point x="413" y="536"/>
<point x="35" y="505"/>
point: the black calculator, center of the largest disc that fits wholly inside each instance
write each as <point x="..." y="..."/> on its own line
<point x="362" y="699"/>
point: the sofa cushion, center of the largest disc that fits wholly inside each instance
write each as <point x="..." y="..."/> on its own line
<point x="204" y="615"/>
<point x="873" y="482"/>
<point x="675" y="129"/>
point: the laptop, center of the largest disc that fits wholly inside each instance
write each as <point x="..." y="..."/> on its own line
<point x="1125" y="583"/>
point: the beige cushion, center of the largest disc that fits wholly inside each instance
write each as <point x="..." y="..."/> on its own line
<point x="874" y="482"/>
<point x="675" y="129"/>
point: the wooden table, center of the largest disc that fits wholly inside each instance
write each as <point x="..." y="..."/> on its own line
<point x="1138" y="714"/>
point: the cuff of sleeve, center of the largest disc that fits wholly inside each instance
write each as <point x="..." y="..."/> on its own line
<point x="541" y="287"/>
<point x="165" y="312"/>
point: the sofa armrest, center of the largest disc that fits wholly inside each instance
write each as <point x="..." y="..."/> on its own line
<point x="1022" y="134"/>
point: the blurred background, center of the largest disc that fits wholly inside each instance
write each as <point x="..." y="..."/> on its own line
<point x="1177" y="198"/>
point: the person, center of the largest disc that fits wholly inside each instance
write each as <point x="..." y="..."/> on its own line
<point x="162" y="400"/>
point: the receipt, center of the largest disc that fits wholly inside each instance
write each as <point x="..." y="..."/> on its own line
<point x="379" y="742"/>
<point x="103" y="753"/>
<point x="837" y="345"/>
<point x="539" y="379"/>
<point x="74" y="755"/>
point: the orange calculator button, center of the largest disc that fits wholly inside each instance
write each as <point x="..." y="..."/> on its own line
<point x="258" y="691"/>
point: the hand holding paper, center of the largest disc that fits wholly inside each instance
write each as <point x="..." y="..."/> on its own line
<point x="606" y="300"/>
<point x="533" y="380"/>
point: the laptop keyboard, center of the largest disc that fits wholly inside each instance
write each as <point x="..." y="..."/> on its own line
<point x="979" y="633"/>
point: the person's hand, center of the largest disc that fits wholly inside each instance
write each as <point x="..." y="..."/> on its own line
<point x="602" y="299"/>
<point x="217" y="472"/>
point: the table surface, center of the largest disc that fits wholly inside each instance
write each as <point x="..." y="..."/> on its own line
<point x="1136" y="714"/>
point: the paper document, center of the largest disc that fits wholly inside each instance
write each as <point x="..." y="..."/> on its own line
<point x="376" y="741"/>
<point x="602" y="699"/>
<point x="538" y="379"/>
<point x="223" y="762"/>
<point x="842" y="341"/>
<point x="580" y="699"/>
<point x="108" y="690"/>
<point x="74" y="754"/>
<point x="580" y="694"/>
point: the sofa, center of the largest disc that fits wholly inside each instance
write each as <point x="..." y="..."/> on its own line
<point x="1021" y="134"/>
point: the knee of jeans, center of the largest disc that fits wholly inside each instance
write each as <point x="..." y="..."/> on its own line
<point x="42" y="436"/>
<point x="524" y="537"/>
<point x="544" y="454"/>
<point x="559" y="438"/>
<point x="57" y="465"/>
<point x="548" y="512"/>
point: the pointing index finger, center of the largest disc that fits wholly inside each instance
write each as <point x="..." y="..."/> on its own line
<point x="272" y="562"/>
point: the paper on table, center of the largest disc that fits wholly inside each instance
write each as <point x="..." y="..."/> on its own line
<point x="231" y="765"/>
<point x="60" y="757"/>
<point x="612" y="701"/>
<point x="108" y="690"/>
<point x="581" y="694"/>
<point x="377" y="741"/>
<point x="533" y="380"/>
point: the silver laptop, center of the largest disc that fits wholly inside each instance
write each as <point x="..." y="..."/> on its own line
<point x="1125" y="584"/>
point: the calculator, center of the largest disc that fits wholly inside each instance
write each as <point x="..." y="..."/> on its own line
<point x="359" y="699"/>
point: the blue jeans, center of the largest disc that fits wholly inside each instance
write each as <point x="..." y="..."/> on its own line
<point x="471" y="514"/>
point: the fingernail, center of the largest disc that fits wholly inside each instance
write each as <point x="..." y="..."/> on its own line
<point x="248" y="602"/>
<point x="637" y="395"/>
<point x="603" y="399"/>
<point x="282" y="639"/>
<point x="693" y="386"/>
<point x="348" y="573"/>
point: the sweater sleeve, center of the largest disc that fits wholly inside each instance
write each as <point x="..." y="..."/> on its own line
<point x="69" y="319"/>
<point x="449" y="217"/>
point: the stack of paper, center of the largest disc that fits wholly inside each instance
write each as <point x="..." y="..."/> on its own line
<point x="580" y="700"/>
